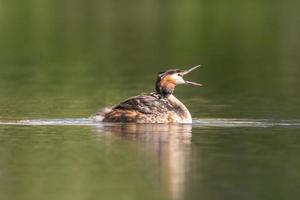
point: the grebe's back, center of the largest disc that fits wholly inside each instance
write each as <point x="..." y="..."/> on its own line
<point x="145" y="108"/>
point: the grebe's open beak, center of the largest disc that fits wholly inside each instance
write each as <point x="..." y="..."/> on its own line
<point x="187" y="72"/>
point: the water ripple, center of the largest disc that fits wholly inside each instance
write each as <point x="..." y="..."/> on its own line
<point x="208" y="122"/>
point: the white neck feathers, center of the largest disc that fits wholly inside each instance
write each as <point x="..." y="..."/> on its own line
<point x="182" y="110"/>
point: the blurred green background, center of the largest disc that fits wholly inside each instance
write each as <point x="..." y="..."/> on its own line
<point x="69" y="58"/>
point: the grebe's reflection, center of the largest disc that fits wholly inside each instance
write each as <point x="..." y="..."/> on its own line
<point x="171" y="144"/>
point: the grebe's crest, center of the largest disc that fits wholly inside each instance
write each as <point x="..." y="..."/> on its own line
<point x="167" y="80"/>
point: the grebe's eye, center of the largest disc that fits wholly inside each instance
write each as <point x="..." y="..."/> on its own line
<point x="179" y="74"/>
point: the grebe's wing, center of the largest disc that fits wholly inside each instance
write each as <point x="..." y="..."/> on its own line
<point x="145" y="103"/>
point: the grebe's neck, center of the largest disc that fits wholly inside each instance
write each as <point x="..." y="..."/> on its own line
<point x="180" y="108"/>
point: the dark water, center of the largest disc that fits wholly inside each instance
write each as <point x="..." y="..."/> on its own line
<point x="60" y="61"/>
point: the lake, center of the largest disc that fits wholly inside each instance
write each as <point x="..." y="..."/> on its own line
<point x="61" y="61"/>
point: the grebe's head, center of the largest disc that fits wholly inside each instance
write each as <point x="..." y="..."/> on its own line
<point x="166" y="81"/>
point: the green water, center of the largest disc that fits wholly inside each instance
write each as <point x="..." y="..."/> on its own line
<point x="66" y="59"/>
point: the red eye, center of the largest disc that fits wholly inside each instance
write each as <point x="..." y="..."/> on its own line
<point x="179" y="74"/>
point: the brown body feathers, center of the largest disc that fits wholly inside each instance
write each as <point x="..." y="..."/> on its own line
<point x="145" y="108"/>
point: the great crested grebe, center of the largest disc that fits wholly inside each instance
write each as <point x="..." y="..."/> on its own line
<point x="157" y="107"/>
